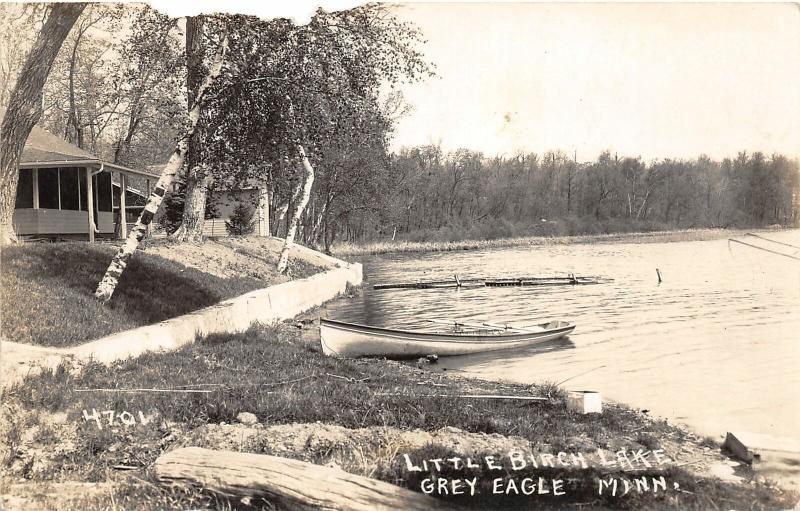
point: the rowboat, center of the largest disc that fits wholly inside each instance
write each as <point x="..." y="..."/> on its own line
<point x="342" y="339"/>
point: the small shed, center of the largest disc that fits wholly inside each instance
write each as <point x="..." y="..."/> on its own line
<point x="253" y="194"/>
<point x="65" y="191"/>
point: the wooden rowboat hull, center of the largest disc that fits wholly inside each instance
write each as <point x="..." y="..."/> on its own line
<point x="342" y="339"/>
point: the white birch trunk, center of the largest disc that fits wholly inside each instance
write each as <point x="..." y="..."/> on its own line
<point x="263" y="211"/>
<point x="318" y="224"/>
<point x="644" y="203"/>
<point x="106" y="287"/>
<point x="285" y="208"/>
<point x="283" y="261"/>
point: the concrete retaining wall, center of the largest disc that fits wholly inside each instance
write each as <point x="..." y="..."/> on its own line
<point x="275" y="303"/>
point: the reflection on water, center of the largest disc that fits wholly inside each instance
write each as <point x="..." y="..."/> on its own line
<point x="714" y="345"/>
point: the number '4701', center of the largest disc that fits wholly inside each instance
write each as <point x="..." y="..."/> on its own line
<point x="110" y="416"/>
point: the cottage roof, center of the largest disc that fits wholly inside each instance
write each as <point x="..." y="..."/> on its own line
<point x="44" y="149"/>
<point x="43" y="146"/>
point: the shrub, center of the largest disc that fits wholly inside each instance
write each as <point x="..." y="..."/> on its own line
<point x="240" y="221"/>
<point x="172" y="215"/>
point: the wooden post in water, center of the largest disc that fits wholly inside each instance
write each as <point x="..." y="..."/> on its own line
<point x="659" y="275"/>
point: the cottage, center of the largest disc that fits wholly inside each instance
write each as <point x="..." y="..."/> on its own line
<point x="65" y="191"/>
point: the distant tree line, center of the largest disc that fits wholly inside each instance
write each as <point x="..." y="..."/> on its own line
<point x="425" y="193"/>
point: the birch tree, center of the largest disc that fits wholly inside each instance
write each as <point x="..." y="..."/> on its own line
<point x="283" y="260"/>
<point x="111" y="278"/>
<point x="331" y="70"/>
<point x="25" y="106"/>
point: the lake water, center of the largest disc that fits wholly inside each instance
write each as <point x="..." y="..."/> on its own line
<point x="716" y="345"/>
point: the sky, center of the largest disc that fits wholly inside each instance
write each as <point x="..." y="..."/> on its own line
<point x="654" y="80"/>
<point x="649" y="80"/>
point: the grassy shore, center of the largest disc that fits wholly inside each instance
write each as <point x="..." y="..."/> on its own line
<point x="358" y="414"/>
<point x="47" y="289"/>
<point x="401" y="246"/>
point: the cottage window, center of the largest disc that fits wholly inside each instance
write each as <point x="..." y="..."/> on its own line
<point x="48" y="188"/>
<point x="25" y="190"/>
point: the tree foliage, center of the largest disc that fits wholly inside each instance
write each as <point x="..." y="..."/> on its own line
<point x="432" y="194"/>
<point x="329" y="74"/>
<point x="19" y="25"/>
<point x="119" y="97"/>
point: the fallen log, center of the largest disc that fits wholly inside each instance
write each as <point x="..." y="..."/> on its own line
<point x="285" y="483"/>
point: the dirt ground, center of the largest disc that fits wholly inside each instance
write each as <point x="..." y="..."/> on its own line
<point x="228" y="257"/>
<point x="362" y="451"/>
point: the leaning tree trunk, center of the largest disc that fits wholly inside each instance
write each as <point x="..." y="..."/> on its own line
<point x="25" y="107"/>
<point x="283" y="261"/>
<point x="110" y="280"/>
<point x="197" y="177"/>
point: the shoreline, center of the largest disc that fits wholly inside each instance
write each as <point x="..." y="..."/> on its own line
<point x="272" y="391"/>
<point x="359" y="415"/>
<point x="778" y="456"/>
<point x="396" y="247"/>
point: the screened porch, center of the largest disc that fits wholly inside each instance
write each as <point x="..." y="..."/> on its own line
<point x="57" y="201"/>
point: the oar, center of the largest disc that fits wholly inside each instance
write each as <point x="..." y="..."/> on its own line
<point x="493" y="326"/>
<point x="459" y="323"/>
<point x="512" y="327"/>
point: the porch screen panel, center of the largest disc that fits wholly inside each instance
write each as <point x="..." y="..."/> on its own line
<point x="24" y="190"/>
<point x="103" y="186"/>
<point x="70" y="188"/>
<point x="82" y="183"/>
<point x="48" y="188"/>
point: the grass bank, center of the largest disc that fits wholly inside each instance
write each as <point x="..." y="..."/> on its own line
<point x="359" y="414"/>
<point x="47" y="289"/>
<point x="401" y="246"/>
